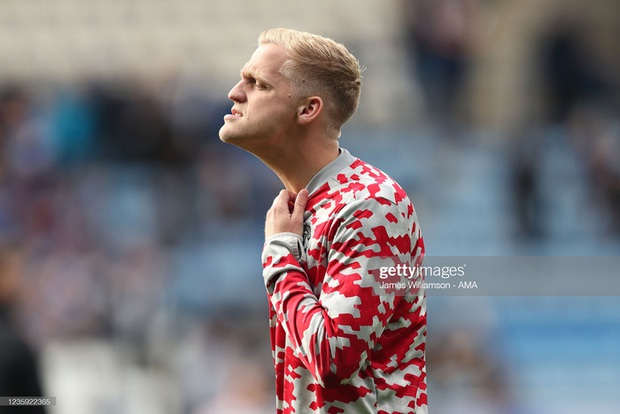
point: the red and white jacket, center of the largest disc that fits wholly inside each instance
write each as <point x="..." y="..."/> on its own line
<point x="340" y="343"/>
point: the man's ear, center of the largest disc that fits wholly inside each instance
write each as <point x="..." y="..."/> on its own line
<point x="309" y="110"/>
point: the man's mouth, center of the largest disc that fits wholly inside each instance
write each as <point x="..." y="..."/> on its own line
<point x="236" y="113"/>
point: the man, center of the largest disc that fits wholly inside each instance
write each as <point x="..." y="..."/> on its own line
<point x="340" y="343"/>
<point x="19" y="367"/>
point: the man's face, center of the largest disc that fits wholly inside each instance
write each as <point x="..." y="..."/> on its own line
<point x="264" y="108"/>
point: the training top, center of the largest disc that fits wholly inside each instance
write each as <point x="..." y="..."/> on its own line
<point x="341" y="343"/>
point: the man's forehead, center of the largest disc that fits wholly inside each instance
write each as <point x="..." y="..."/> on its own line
<point x="266" y="60"/>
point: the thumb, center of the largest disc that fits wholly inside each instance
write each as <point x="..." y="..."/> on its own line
<point x="300" y="205"/>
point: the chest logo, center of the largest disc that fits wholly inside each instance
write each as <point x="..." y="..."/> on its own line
<point x="307" y="233"/>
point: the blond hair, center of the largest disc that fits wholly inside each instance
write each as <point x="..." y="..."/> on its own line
<point x="320" y="66"/>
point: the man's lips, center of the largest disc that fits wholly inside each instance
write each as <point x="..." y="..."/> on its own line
<point x="234" y="113"/>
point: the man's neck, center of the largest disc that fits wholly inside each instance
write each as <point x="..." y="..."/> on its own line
<point x="297" y="167"/>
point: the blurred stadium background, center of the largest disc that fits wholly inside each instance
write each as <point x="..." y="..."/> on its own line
<point x="130" y="236"/>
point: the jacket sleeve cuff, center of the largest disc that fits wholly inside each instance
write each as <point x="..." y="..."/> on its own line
<point x="292" y="242"/>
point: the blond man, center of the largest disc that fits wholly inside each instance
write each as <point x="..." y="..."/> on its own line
<point x="341" y="343"/>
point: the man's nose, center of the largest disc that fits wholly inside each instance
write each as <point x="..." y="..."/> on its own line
<point x="237" y="94"/>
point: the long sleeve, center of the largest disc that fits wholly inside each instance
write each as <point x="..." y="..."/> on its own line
<point x="334" y="332"/>
<point x="343" y="340"/>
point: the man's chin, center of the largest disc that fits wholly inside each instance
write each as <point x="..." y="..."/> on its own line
<point x="232" y="139"/>
<point x="226" y="136"/>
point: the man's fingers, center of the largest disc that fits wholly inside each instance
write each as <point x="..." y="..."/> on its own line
<point x="300" y="206"/>
<point x="281" y="200"/>
<point x="301" y="199"/>
<point x="286" y="213"/>
<point x="292" y="201"/>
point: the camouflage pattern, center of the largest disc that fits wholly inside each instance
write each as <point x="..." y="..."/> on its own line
<point x="340" y="345"/>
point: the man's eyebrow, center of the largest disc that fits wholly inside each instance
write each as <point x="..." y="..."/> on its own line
<point x="249" y="74"/>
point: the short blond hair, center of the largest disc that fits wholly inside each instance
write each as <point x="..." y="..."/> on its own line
<point x="320" y="66"/>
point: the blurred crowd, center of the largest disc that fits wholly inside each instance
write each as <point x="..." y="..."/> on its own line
<point x="124" y="220"/>
<point x="576" y="97"/>
<point x="106" y="189"/>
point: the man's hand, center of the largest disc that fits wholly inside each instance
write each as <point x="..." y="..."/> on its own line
<point x="286" y="213"/>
